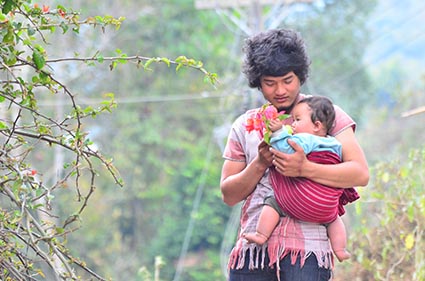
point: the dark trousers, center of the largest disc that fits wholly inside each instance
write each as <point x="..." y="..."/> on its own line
<point x="288" y="272"/>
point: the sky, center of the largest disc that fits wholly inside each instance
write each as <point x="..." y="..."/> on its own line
<point x="398" y="33"/>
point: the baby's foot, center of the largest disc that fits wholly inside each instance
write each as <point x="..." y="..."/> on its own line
<point x="257" y="238"/>
<point x="342" y="255"/>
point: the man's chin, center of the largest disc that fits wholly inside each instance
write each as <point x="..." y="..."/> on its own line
<point x="283" y="108"/>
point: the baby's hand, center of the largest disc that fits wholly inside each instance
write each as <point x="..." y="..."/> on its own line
<point x="275" y="124"/>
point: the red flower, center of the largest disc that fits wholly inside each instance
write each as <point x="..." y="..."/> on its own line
<point x="259" y="121"/>
<point x="270" y="112"/>
<point x="29" y="173"/>
<point x="61" y="13"/>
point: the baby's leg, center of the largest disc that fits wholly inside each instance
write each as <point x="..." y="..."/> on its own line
<point x="267" y="221"/>
<point x="338" y="238"/>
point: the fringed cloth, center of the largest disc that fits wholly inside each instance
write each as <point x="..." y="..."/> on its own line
<point x="291" y="238"/>
<point x="309" y="201"/>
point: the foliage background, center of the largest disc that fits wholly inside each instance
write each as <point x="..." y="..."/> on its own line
<point x="169" y="127"/>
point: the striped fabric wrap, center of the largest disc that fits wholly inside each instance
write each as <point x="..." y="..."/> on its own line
<point x="309" y="201"/>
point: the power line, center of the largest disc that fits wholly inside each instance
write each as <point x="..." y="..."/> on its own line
<point x="148" y="99"/>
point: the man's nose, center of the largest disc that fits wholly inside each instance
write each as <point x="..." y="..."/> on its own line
<point x="280" y="89"/>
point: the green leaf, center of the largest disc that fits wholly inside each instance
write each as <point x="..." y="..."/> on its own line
<point x="30" y="31"/>
<point x="409" y="241"/>
<point x="64" y="27"/>
<point x="149" y="62"/>
<point x="38" y="59"/>
<point x="59" y="230"/>
<point x="100" y="58"/>
<point x="112" y="65"/>
<point x="3" y="17"/>
<point x="166" y="61"/>
<point x="8" y="6"/>
<point x="9" y="37"/>
<point x="43" y="129"/>
<point x="3" y="126"/>
<point x="283" y="116"/>
<point x="181" y="59"/>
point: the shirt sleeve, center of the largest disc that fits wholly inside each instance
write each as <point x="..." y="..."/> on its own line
<point x="234" y="149"/>
<point x="342" y="121"/>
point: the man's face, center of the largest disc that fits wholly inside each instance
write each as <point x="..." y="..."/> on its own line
<point x="281" y="91"/>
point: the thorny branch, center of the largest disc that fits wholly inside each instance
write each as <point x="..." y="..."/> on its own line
<point x="30" y="230"/>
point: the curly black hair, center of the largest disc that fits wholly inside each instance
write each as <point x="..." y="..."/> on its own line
<point x="275" y="52"/>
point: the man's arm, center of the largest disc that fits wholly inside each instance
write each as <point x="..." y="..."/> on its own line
<point x="238" y="180"/>
<point x="353" y="171"/>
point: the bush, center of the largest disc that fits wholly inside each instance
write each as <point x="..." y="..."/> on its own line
<point x="388" y="241"/>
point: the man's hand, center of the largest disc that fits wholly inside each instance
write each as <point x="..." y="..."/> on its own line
<point x="264" y="154"/>
<point x="290" y="165"/>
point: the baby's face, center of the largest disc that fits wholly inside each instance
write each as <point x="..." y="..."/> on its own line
<point x="302" y="119"/>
